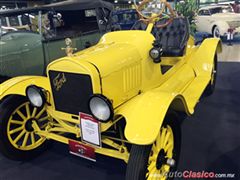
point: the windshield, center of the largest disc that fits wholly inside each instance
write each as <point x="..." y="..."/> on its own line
<point x="20" y="22"/>
<point x="226" y="9"/>
<point x="63" y="24"/>
<point x="51" y="24"/>
<point x="125" y="18"/>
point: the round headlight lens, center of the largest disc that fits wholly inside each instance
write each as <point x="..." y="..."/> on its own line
<point x="101" y="108"/>
<point x="154" y="53"/>
<point x="35" y="95"/>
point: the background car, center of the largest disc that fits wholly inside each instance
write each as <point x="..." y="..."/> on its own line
<point x="33" y="37"/>
<point x="217" y="20"/>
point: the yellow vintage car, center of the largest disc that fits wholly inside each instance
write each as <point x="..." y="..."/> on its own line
<point x="120" y="98"/>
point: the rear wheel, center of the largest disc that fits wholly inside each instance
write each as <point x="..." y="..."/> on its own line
<point x="18" y="141"/>
<point x="216" y="32"/>
<point x="211" y="85"/>
<point x="151" y="162"/>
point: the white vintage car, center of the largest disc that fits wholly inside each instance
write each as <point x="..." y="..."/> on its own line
<point x="218" y="20"/>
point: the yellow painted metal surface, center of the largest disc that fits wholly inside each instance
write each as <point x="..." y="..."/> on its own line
<point x="145" y="113"/>
<point x="18" y="85"/>
<point x="121" y="69"/>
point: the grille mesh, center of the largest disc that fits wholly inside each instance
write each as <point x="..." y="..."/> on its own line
<point x="71" y="91"/>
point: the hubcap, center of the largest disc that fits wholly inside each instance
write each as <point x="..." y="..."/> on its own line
<point x="161" y="159"/>
<point x="20" y="132"/>
<point x="28" y="125"/>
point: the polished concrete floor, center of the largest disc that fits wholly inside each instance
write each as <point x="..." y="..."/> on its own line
<point x="210" y="142"/>
<point x="230" y="52"/>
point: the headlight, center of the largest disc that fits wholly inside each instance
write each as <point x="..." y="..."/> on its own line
<point x="155" y="53"/>
<point x="36" y="95"/>
<point x="100" y="107"/>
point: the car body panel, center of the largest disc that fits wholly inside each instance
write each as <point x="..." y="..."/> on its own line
<point x="23" y="51"/>
<point x="145" y="93"/>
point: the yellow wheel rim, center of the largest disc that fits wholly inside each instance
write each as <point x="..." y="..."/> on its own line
<point x="19" y="131"/>
<point x="163" y="146"/>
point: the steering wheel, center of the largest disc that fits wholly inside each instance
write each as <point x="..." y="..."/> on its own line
<point x="151" y="10"/>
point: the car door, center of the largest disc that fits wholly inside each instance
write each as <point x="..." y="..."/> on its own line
<point x="202" y="20"/>
<point x="21" y="49"/>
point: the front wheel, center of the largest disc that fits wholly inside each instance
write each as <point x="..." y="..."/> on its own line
<point x="152" y="162"/>
<point x="18" y="141"/>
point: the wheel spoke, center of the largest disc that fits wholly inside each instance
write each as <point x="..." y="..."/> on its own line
<point x="43" y="119"/>
<point x="28" y="111"/>
<point x="44" y="125"/>
<point x="152" y="158"/>
<point x="166" y="139"/>
<point x="34" y="112"/>
<point x="162" y="136"/>
<point x="151" y="167"/>
<point x="21" y="115"/>
<point x="25" y="139"/>
<point x="169" y="146"/>
<point x="32" y="138"/>
<point x="40" y="113"/>
<point x="16" y="130"/>
<point x="16" y="122"/>
<point x="154" y="149"/>
<point x="19" y="136"/>
<point x="165" y="169"/>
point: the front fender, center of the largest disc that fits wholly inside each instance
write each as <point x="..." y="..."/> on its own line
<point x="144" y="115"/>
<point x="18" y="85"/>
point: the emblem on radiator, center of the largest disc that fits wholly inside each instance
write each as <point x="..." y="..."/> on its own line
<point x="59" y="80"/>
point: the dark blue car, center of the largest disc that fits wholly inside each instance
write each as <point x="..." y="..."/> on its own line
<point x="124" y="19"/>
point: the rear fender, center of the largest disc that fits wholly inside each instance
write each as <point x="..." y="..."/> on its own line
<point x="202" y="59"/>
<point x="145" y="113"/>
<point x="18" y="85"/>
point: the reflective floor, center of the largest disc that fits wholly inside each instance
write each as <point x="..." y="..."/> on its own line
<point x="210" y="142"/>
<point x="230" y="52"/>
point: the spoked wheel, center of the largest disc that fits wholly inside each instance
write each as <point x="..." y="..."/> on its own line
<point x="153" y="162"/>
<point x="211" y="85"/>
<point x="18" y="140"/>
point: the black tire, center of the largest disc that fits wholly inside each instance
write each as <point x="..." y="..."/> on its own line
<point x="3" y="79"/>
<point x="138" y="160"/>
<point x="216" y="33"/>
<point x="211" y="85"/>
<point x="7" y="107"/>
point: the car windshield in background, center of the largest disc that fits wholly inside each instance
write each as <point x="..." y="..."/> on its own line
<point x="221" y="10"/>
<point x="22" y="22"/>
<point x="68" y="23"/>
<point x="125" y="18"/>
<point x="53" y="25"/>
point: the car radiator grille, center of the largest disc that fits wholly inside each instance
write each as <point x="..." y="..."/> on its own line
<point x="71" y="91"/>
